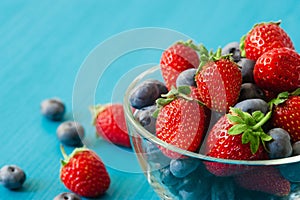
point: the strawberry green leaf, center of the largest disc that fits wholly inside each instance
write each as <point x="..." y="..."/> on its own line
<point x="265" y="137"/>
<point x="296" y="92"/>
<point x="237" y="129"/>
<point x="162" y="102"/>
<point x="249" y="126"/>
<point x="155" y="113"/>
<point x="189" y="43"/>
<point x="246" y="117"/>
<point x="239" y="112"/>
<point x="218" y="54"/>
<point x="235" y="119"/>
<point x="258" y="115"/>
<point x="249" y="119"/>
<point x="281" y="97"/>
<point x="242" y="46"/>
<point x="184" y="89"/>
<point x="254" y="144"/>
<point x="209" y="56"/>
<point x="203" y="60"/>
<point x="246" y="137"/>
<point x="203" y="50"/>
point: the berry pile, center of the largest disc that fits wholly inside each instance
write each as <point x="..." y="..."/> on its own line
<point x="83" y="171"/>
<point x="241" y="102"/>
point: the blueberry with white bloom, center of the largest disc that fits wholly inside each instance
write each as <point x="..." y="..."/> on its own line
<point x="146" y="93"/>
<point x="167" y="178"/>
<point x="12" y="177"/>
<point x="70" y="133"/>
<point x="296" y="148"/>
<point x="186" y="77"/>
<point x="232" y="48"/>
<point x="280" y="146"/>
<point x="145" y="117"/>
<point x="251" y="105"/>
<point x="247" y="67"/>
<point x="67" y="196"/>
<point x="53" y="109"/>
<point x="250" y="91"/>
<point x="183" y="167"/>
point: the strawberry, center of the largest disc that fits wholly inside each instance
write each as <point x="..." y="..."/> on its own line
<point x="84" y="173"/>
<point x="229" y="138"/>
<point x="278" y="70"/>
<point x="262" y="38"/>
<point x="218" y="80"/>
<point x="286" y="113"/>
<point x="264" y="179"/>
<point x="177" y="58"/>
<point x="110" y="123"/>
<point x="181" y="120"/>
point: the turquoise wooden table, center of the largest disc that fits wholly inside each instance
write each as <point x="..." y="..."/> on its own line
<point x="82" y="52"/>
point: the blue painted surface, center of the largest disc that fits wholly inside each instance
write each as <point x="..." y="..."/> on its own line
<point x="45" y="44"/>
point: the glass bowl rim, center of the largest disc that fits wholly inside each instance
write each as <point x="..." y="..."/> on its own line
<point x="149" y="136"/>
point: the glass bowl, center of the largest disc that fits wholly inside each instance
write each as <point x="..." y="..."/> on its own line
<point x="258" y="179"/>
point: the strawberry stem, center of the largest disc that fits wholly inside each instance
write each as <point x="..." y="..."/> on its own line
<point x="262" y="121"/>
<point x="74" y="152"/>
<point x="175" y="93"/>
<point x="66" y="157"/>
<point x="250" y="127"/>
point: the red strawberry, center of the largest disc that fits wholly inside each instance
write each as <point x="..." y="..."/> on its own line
<point x="264" y="179"/>
<point x="286" y="114"/>
<point x="181" y="121"/>
<point x="218" y="81"/>
<point x="262" y="38"/>
<point x="110" y="124"/>
<point x="229" y="138"/>
<point x="278" y="70"/>
<point x="84" y="173"/>
<point x="177" y="58"/>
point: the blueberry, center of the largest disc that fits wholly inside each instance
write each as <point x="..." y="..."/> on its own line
<point x="182" y="167"/>
<point x="198" y="193"/>
<point x="195" y="184"/>
<point x="53" y="109"/>
<point x="70" y="133"/>
<point x="251" y="105"/>
<point x="67" y="196"/>
<point x="232" y="48"/>
<point x="222" y="189"/>
<point x="155" y="156"/>
<point x="167" y="178"/>
<point x="12" y="177"/>
<point x="296" y="148"/>
<point x="247" y="67"/>
<point x="146" y="93"/>
<point x="145" y="118"/>
<point x="250" y="91"/>
<point x="280" y="146"/>
<point x="291" y="171"/>
<point x="186" y="77"/>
